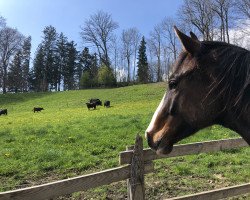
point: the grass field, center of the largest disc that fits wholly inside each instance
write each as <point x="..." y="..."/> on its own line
<point x="66" y="140"/>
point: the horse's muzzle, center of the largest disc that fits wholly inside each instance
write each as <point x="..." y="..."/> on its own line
<point x="151" y="144"/>
<point x="160" y="147"/>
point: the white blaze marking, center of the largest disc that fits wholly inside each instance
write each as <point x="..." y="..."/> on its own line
<point x="151" y="125"/>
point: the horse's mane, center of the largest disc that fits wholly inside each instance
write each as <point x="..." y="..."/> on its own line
<point x="232" y="66"/>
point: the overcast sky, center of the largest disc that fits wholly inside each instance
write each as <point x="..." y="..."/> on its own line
<point x="31" y="16"/>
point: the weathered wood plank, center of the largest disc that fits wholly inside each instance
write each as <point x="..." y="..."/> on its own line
<point x="71" y="185"/>
<point x="130" y="147"/>
<point x="218" y="193"/>
<point x="187" y="149"/>
<point x="135" y="184"/>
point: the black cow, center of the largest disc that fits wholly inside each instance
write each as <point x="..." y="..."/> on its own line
<point x="37" y="109"/>
<point x="91" y="105"/>
<point x="107" y="104"/>
<point x="98" y="102"/>
<point x="3" y="112"/>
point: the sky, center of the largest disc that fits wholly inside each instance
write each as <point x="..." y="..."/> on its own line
<point x="67" y="16"/>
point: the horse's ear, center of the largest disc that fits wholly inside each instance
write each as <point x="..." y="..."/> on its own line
<point x="193" y="36"/>
<point x="190" y="45"/>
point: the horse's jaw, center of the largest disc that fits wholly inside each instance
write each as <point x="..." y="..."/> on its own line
<point x="167" y="138"/>
<point x="160" y="142"/>
<point x="240" y="125"/>
<point x="164" y="149"/>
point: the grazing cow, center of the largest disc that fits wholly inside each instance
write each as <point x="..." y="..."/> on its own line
<point x="98" y="102"/>
<point x="91" y="105"/>
<point x="3" y="112"/>
<point x="37" y="109"/>
<point x="107" y="104"/>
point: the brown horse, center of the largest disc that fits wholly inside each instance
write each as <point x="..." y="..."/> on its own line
<point x="210" y="85"/>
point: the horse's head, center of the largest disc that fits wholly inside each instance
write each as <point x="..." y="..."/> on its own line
<point x="186" y="107"/>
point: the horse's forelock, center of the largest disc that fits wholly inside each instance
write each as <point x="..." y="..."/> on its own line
<point x="184" y="66"/>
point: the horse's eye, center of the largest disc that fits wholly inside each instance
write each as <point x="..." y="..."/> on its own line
<point x="172" y="84"/>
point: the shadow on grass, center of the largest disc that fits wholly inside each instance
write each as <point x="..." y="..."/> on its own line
<point x="109" y="107"/>
<point x="6" y="99"/>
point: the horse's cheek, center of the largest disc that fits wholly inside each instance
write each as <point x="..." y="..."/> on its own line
<point x="171" y="106"/>
<point x="188" y="110"/>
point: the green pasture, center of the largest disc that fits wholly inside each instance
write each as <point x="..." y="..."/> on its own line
<point x="66" y="139"/>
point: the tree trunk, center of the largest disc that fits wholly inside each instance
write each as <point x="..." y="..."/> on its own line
<point x="4" y="78"/>
<point x="128" y="60"/>
<point x="227" y="31"/>
<point x="158" y="69"/>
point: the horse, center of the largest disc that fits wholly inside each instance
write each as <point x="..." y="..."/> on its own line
<point x="210" y="84"/>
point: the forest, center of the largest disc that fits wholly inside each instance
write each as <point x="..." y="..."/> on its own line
<point x="112" y="56"/>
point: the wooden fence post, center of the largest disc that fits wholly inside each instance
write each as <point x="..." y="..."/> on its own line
<point x="135" y="185"/>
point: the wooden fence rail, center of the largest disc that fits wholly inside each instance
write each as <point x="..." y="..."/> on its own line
<point x="187" y="149"/>
<point x="138" y="162"/>
<point x="221" y="193"/>
<point x="68" y="186"/>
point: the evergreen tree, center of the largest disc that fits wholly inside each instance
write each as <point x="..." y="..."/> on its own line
<point x="15" y="73"/>
<point x="69" y="69"/>
<point x="38" y="75"/>
<point x="60" y="58"/>
<point x="85" y="81"/>
<point x="32" y="80"/>
<point x="88" y="63"/>
<point x="54" y="63"/>
<point x="26" y="63"/>
<point x="106" y="76"/>
<point x="142" y="64"/>
<point x="50" y="64"/>
<point x="94" y="70"/>
<point x="84" y="63"/>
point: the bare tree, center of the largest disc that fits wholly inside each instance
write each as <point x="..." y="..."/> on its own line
<point x="115" y="53"/>
<point x="243" y="7"/>
<point x="130" y="41"/>
<point x="155" y="43"/>
<point x="136" y="41"/>
<point x="10" y="42"/>
<point x="2" y="25"/>
<point x="223" y="10"/>
<point x="2" y="22"/>
<point x="200" y="15"/>
<point x="98" y="30"/>
<point x="151" y="61"/>
<point x="170" y="46"/>
<point x="127" y="42"/>
<point x="170" y="36"/>
<point x="243" y="11"/>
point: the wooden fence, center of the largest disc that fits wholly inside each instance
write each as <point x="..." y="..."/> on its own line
<point x="135" y="163"/>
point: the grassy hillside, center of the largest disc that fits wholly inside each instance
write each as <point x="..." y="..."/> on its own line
<point x="67" y="139"/>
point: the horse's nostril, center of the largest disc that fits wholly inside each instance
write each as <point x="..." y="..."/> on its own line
<point x="153" y="145"/>
<point x="150" y="140"/>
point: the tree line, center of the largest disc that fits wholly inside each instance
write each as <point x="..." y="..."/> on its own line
<point x="109" y="59"/>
